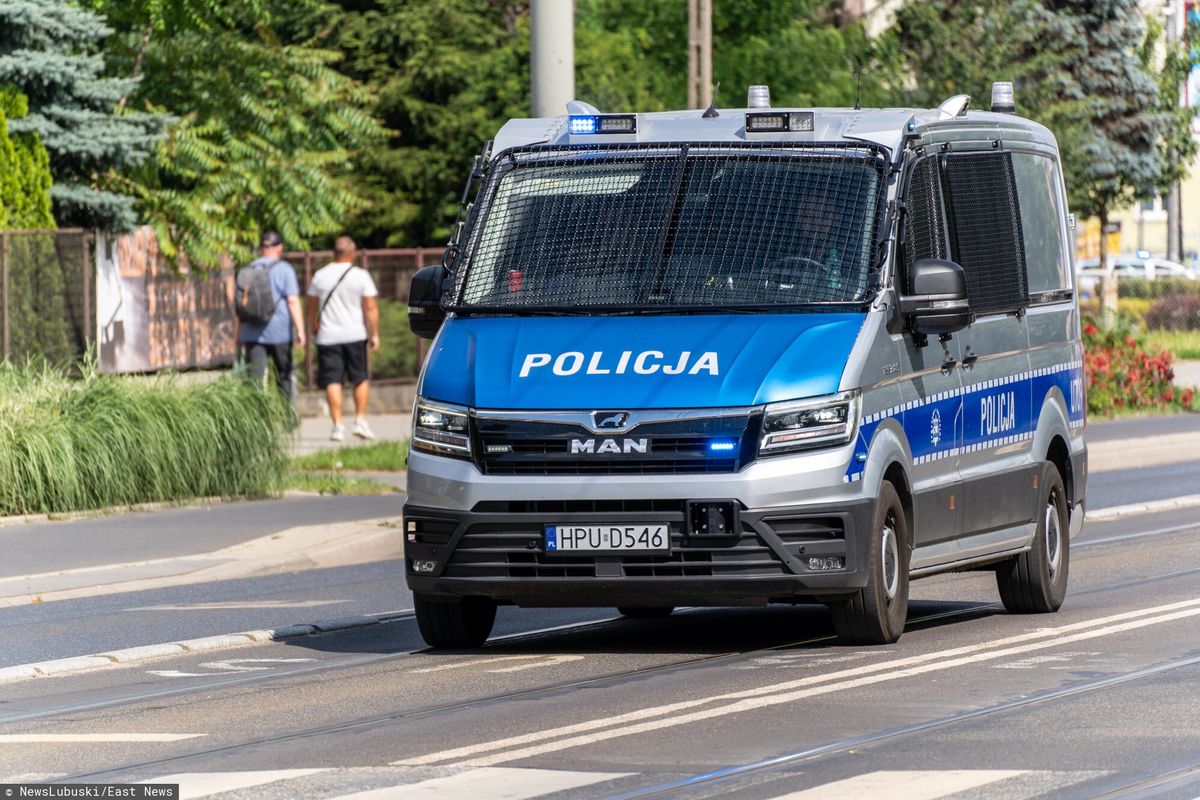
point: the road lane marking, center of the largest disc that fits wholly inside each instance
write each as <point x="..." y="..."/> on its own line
<point x="495" y="783"/>
<point x="193" y="785"/>
<point x="551" y="661"/>
<point x="89" y="738"/>
<point x="174" y="673"/>
<point x="239" y="604"/>
<point x="252" y="664"/>
<point x="904" y="785"/>
<point x="634" y="722"/>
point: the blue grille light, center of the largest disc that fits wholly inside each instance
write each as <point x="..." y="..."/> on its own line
<point x="578" y="125"/>
<point x="722" y="447"/>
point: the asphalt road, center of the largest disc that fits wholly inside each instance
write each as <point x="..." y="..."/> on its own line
<point x="1099" y="700"/>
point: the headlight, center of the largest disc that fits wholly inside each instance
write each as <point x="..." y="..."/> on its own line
<point x="441" y="429"/>
<point x="803" y="425"/>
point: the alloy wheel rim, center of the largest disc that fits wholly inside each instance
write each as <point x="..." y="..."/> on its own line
<point x="1053" y="535"/>
<point x="890" y="559"/>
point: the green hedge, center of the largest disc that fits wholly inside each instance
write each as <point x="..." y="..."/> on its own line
<point x="1140" y="287"/>
<point x="70" y="444"/>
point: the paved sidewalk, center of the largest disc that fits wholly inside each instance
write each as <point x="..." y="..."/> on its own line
<point x="1187" y="373"/>
<point x="314" y="432"/>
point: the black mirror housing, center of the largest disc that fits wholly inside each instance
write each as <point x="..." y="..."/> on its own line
<point x="938" y="301"/>
<point x="425" y="312"/>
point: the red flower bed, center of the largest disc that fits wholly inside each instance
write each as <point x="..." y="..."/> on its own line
<point x="1122" y="373"/>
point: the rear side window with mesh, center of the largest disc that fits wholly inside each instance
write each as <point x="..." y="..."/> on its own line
<point x="675" y="225"/>
<point x="924" y="216"/>
<point x="985" y="229"/>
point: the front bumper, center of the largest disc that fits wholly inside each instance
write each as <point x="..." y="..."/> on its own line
<point x="496" y="550"/>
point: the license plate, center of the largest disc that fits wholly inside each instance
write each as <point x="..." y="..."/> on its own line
<point x="616" y="538"/>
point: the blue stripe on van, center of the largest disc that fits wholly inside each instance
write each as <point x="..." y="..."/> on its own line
<point x="929" y="423"/>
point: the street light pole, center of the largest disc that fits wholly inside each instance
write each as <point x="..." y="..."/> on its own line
<point x="699" y="53"/>
<point x="1175" y="14"/>
<point x="551" y="56"/>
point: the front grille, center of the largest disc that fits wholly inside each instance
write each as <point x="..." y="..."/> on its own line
<point x="675" y="447"/>
<point x="577" y="506"/>
<point x="513" y="550"/>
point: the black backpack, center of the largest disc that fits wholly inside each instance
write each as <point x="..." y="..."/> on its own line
<point x="255" y="301"/>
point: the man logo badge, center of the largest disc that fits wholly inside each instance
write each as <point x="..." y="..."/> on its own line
<point x="609" y="446"/>
<point x="612" y="420"/>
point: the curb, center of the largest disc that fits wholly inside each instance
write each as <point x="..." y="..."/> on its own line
<point x="1148" y="507"/>
<point x="136" y="655"/>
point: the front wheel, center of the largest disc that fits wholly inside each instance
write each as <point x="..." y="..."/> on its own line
<point x="876" y="613"/>
<point x="1035" y="582"/>
<point x="450" y="625"/>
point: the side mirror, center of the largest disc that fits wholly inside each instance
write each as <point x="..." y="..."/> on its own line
<point x="938" y="302"/>
<point x="425" y="312"/>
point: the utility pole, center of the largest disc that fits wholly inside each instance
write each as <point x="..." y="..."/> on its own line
<point x="551" y="56"/>
<point x="699" y="53"/>
<point x="1175" y="24"/>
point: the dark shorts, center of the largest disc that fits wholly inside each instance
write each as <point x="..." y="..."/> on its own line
<point x="341" y="363"/>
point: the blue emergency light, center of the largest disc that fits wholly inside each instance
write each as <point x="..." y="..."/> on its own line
<point x="720" y="446"/>
<point x="587" y="124"/>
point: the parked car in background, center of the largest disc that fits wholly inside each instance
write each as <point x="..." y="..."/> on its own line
<point x="1129" y="265"/>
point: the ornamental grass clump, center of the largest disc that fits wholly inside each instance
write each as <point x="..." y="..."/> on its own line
<point x="71" y="444"/>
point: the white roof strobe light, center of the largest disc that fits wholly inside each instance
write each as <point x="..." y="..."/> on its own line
<point x="758" y="96"/>
<point x="1004" y="100"/>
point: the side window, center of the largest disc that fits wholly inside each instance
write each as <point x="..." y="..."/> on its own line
<point x="985" y="229"/>
<point x="1041" y="223"/>
<point x="924" y="217"/>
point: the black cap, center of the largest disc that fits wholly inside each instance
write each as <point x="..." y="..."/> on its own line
<point x="270" y="239"/>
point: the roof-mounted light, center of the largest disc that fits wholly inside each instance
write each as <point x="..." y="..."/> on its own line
<point x="587" y="124"/>
<point x="1004" y="99"/>
<point x="758" y="96"/>
<point x="780" y="122"/>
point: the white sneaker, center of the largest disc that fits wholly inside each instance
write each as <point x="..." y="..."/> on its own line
<point x="362" y="430"/>
<point x="338" y="434"/>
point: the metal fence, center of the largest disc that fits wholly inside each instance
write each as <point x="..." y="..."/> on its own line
<point x="392" y="269"/>
<point x="47" y="297"/>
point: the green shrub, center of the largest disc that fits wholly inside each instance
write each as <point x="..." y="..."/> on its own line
<point x="1174" y="312"/>
<point x="397" y="356"/>
<point x="1140" y="287"/>
<point x="100" y="441"/>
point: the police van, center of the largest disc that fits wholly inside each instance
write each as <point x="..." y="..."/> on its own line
<point x="749" y="356"/>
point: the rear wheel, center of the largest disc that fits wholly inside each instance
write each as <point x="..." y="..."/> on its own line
<point x="645" y="612"/>
<point x="452" y="625"/>
<point x="876" y="613"/>
<point x="1035" y="582"/>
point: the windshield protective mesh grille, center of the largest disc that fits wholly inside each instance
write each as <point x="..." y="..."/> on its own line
<point x="643" y="227"/>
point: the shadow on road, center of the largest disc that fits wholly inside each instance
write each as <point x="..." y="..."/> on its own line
<point x="697" y="632"/>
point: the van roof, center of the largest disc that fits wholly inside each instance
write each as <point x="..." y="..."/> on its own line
<point x="886" y="127"/>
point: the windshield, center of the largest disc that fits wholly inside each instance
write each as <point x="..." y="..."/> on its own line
<point x="668" y="228"/>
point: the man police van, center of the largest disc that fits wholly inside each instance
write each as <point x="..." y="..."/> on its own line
<point x="747" y="356"/>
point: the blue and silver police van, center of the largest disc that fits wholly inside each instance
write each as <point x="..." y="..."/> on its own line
<point x="749" y="356"/>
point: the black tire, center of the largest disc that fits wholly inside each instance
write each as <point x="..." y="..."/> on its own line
<point x="1035" y="582"/>
<point x="645" y="612"/>
<point x="876" y="613"/>
<point x="450" y="625"/>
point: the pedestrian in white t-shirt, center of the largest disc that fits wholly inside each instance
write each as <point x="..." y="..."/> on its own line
<point x="344" y="318"/>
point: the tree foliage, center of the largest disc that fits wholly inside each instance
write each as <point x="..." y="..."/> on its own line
<point x="264" y="130"/>
<point x="1081" y="67"/>
<point x="49" y="50"/>
<point x="449" y="73"/>
<point x="24" y="170"/>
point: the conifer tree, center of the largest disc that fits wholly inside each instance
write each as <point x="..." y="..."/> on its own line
<point x="49" y="50"/>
